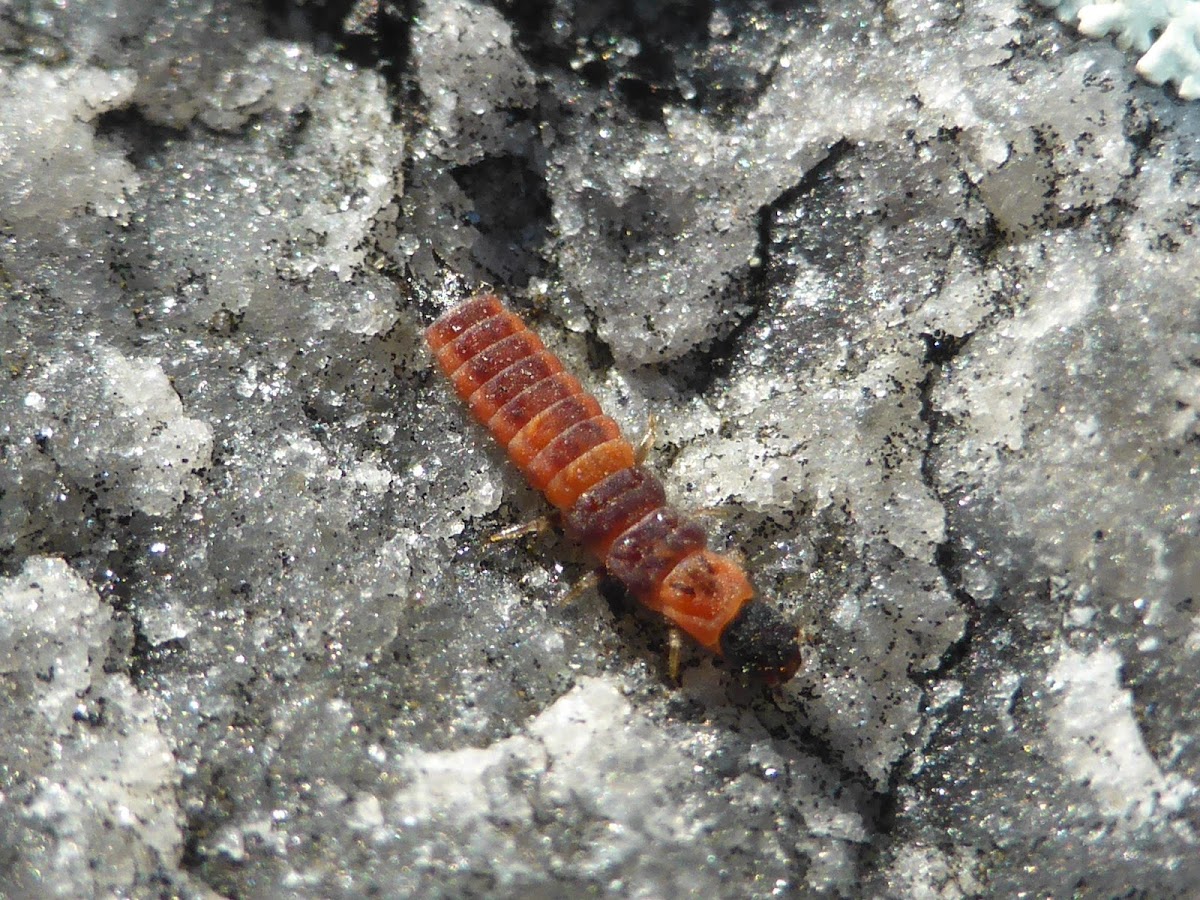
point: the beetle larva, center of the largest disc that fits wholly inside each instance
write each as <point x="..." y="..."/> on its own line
<point x="559" y="437"/>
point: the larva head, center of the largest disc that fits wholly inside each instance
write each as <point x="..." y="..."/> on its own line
<point x="762" y="643"/>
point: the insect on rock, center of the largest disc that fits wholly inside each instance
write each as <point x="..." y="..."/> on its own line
<point x="558" y="436"/>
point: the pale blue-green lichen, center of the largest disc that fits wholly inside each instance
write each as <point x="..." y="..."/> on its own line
<point x="1165" y="32"/>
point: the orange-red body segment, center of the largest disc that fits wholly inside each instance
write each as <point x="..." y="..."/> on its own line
<point x="557" y="435"/>
<point x="552" y="429"/>
<point x="702" y="595"/>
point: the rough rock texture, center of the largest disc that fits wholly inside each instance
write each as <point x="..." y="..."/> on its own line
<point x="912" y="289"/>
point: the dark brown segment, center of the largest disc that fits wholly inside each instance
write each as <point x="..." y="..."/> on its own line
<point x="476" y="339"/>
<point x="645" y="554"/>
<point x="567" y="447"/>
<point x="489" y="399"/>
<point x="485" y="366"/>
<point x="761" y="641"/>
<point x="516" y="413"/>
<point x="550" y="423"/>
<point x="601" y="515"/>
<point x="457" y="320"/>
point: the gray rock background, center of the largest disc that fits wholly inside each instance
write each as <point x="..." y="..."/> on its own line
<point x="914" y="291"/>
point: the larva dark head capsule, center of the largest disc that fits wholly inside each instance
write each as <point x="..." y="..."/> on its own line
<point x="759" y="641"/>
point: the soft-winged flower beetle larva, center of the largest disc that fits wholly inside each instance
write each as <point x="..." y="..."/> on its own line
<point x="578" y="458"/>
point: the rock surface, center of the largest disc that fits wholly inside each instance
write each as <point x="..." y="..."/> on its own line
<point x="913" y="291"/>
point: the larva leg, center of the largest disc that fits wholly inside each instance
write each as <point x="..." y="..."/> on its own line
<point x="538" y="526"/>
<point x="582" y="586"/>
<point x="674" y="652"/>
<point x="646" y="444"/>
